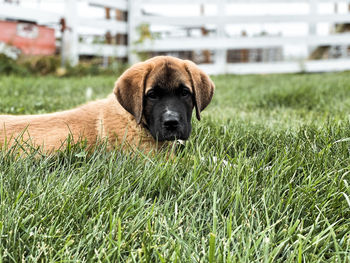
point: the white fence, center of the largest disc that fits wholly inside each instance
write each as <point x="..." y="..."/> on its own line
<point x="218" y="42"/>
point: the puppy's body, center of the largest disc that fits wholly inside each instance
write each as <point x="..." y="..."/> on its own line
<point x="93" y="121"/>
<point x="152" y="103"/>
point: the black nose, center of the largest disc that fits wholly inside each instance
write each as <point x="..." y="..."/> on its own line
<point x="171" y="120"/>
<point x="171" y="124"/>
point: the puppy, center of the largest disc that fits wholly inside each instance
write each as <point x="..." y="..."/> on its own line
<point x="152" y="104"/>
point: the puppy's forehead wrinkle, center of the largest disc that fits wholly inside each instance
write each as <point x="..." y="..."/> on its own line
<point x="167" y="71"/>
<point x="167" y="76"/>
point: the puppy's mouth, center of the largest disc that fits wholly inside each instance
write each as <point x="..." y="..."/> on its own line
<point x="172" y="137"/>
<point x="169" y="135"/>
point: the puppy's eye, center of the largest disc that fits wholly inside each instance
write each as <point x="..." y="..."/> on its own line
<point x="152" y="95"/>
<point x="185" y="93"/>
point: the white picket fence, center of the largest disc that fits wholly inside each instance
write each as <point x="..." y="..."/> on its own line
<point x="218" y="44"/>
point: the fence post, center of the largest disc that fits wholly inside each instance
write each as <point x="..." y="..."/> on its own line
<point x="70" y="36"/>
<point x="312" y="26"/>
<point x="343" y="48"/>
<point x="134" y="10"/>
<point x="221" y="54"/>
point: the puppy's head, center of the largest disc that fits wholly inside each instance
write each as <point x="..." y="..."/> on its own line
<point x="162" y="92"/>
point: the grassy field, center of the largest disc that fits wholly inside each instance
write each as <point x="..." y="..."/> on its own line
<point x="264" y="178"/>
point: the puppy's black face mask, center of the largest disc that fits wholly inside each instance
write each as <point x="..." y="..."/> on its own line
<point x="168" y="112"/>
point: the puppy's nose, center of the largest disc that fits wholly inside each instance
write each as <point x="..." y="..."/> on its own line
<point x="171" y="120"/>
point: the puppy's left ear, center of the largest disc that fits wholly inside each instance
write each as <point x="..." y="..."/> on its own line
<point x="130" y="88"/>
<point x="203" y="87"/>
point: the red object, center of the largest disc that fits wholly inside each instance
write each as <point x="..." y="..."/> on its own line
<point x="31" y="39"/>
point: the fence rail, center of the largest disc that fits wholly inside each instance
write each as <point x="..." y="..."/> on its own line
<point x="106" y="25"/>
<point x="329" y="65"/>
<point x="172" y="2"/>
<point x="31" y="14"/>
<point x="242" y="19"/>
<point x="121" y="4"/>
<point x="214" y="43"/>
<point x="104" y="50"/>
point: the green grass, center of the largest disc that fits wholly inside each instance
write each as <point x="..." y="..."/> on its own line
<point x="264" y="178"/>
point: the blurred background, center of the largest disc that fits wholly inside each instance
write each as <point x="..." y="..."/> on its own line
<point x="222" y="36"/>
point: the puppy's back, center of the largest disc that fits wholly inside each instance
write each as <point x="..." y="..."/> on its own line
<point x="50" y="130"/>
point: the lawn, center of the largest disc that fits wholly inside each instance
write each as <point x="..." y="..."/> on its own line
<point x="264" y="178"/>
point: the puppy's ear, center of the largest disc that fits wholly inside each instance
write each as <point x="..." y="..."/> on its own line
<point x="203" y="87"/>
<point x="130" y="88"/>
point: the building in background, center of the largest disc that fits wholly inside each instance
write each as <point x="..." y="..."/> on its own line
<point x="26" y="35"/>
<point x="29" y="38"/>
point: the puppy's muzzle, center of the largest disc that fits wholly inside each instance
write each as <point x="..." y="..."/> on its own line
<point x="172" y="126"/>
<point x="171" y="120"/>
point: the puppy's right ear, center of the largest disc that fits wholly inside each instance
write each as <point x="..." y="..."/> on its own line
<point x="203" y="86"/>
<point x="130" y="88"/>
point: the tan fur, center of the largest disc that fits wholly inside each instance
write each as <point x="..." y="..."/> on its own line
<point x="118" y="120"/>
